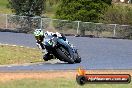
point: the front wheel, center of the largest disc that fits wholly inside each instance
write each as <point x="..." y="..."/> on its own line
<point x="64" y="55"/>
<point x="78" y="59"/>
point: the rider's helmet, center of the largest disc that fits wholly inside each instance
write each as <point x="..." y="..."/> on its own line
<point x="39" y="34"/>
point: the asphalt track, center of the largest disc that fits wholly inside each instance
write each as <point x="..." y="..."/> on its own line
<point x="96" y="53"/>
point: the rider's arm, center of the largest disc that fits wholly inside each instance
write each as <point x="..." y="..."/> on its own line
<point x="39" y="42"/>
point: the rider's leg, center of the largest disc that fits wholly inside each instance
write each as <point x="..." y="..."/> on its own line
<point x="47" y="56"/>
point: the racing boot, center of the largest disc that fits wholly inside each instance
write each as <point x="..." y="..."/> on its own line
<point x="48" y="56"/>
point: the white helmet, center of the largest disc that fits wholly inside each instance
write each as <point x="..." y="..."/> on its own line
<point x="38" y="32"/>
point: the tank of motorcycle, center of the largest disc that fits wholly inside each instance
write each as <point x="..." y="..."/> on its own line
<point x="50" y="41"/>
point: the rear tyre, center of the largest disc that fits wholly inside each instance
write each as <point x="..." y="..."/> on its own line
<point x="63" y="56"/>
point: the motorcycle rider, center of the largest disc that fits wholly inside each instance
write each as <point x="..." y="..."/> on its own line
<point x="40" y="35"/>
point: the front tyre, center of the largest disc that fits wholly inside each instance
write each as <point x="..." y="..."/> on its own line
<point x="78" y="59"/>
<point x="63" y="55"/>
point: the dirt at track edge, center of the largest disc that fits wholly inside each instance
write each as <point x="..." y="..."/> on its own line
<point x="8" y="76"/>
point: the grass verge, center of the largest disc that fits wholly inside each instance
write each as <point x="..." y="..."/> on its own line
<point x="3" y="3"/>
<point x="55" y="79"/>
<point x="3" y="7"/>
<point x="19" y="55"/>
<point x="56" y="83"/>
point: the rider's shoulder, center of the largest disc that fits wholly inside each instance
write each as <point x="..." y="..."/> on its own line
<point x="58" y="34"/>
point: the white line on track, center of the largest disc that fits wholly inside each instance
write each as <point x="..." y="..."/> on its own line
<point x="53" y="61"/>
<point x="15" y="45"/>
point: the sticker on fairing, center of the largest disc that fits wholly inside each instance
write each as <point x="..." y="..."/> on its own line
<point x="51" y="43"/>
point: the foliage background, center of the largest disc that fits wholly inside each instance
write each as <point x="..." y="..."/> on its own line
<point x="82" y="10"/>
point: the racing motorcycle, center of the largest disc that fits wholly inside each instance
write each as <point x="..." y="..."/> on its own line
<point x="61" y="50"/>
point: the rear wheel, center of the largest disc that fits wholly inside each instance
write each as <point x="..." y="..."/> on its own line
<point x="64" y="55"/>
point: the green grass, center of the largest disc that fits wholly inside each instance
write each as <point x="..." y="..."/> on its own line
<point x="19" y="55"/>
<point x="4" y="10"/>
<point x="3" y="3"/>
<point x="3" y="7"/>
<point x="56" y="83"/>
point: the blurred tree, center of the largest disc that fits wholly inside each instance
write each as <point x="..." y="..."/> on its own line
<point x="83" y="10"/>
<point x="52" y="2"/>
<point x="118" y="14"/>
<point x="27" y="7"/>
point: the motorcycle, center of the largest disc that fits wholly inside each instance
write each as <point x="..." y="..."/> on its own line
<point x="61" y="50"/>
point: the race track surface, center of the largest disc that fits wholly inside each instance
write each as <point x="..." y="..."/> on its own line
<point x="96" y="53"/>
